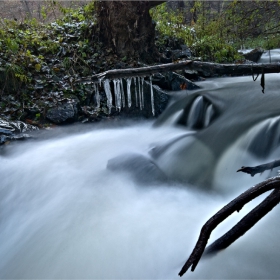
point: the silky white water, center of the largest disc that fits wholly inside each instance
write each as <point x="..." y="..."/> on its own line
<point x="63" y="215"/>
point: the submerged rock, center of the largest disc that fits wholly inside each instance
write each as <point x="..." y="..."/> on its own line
<point x="142" y="168"/>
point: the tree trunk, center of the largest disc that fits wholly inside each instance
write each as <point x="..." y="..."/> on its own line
<point x="205" y="69"/>
<point x="127" y="27"/>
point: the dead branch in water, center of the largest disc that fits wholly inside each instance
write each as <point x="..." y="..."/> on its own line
<point x="259" y="168"/>
<point x="244" y="225"/>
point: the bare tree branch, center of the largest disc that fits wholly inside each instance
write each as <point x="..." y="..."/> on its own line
<point x="259" y="168"/>
<point x="220" y="216"/>
<point x="206" y="69"/>
<point x="245" y="224"/>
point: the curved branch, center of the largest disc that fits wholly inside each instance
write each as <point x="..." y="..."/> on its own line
<point x="220" y="216"/>
<point x="245" y="224"/>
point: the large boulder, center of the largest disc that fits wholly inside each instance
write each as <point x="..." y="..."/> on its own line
<point x="254" y="55"/>
<point x="63" y="113"/>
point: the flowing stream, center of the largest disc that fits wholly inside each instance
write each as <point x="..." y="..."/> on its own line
<point x="65" y="215"/>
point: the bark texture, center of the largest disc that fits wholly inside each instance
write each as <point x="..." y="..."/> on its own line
<point x="205" y="69"/>
<point x="127" y="27"/>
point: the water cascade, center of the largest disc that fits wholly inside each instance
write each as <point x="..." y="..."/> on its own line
<point x="64" y="214"/>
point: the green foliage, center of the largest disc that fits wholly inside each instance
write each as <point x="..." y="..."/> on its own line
<point x="203" y="39"/>
<point x="216" y="36"/>
<point x="26" y="46"/>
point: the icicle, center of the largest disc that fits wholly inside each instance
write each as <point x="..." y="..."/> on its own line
<point x="119" y="101"/>
<point x="142" y="91"/>
<point x="152" y="96"/>
<point x="97" y="96"/>
<point x="122" y="91"/>
<point x="136" y="94"/>
<point x="128" y="84"/>
<point x="139" y="92"/>
<point x="106" y="84"/>
<point x="117" y="94"/>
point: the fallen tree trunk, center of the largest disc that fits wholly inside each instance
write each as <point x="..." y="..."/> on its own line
<point x="205" y="69"/>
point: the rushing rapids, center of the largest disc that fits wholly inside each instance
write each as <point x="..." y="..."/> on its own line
<point x="64" y="214"/>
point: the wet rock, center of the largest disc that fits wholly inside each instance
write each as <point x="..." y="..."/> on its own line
<point x="191" y="75"/>
<point x="141" y="168"/>
<point x="14" y="130"/>
<point x="173" y="81"/>
<point x="64" y="113"/>
<point x="254" y="55"/>
<point x="179" y="82"/>
<point x="180" y="54"/>
<point x="164" y="59"/>
<point x="16" y="126"/>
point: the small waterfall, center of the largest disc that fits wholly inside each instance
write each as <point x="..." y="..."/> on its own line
<point x="208" y="115"/>
<point x="195" y="116"/>
<point x="200" y="114"/>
